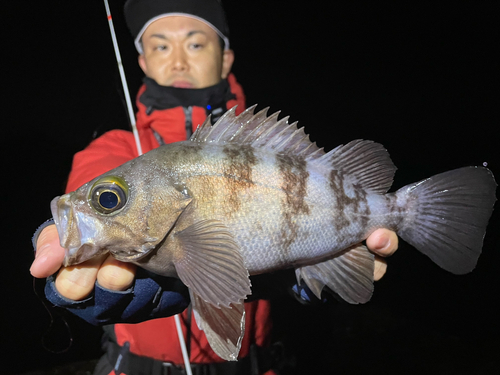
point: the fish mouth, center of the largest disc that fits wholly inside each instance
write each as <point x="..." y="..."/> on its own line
<point x="74" y="234"/>
<point x="61" y="213"/>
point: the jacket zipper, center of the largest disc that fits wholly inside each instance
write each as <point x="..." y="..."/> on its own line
<point x="188" y="114"/>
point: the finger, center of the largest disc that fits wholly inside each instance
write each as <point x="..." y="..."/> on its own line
<point x="382" y="242"/>
<point x="77" y="282"/>
<point x="116" y="275"/>
<point x="49" y="254"/>
<point x="380" y="268"/>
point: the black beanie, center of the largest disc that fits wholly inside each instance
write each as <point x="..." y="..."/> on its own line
<point x="139" y="14"/>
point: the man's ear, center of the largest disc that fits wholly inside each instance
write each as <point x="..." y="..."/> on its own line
<point x="227" y="62"/>
<point x="142" y="64"/>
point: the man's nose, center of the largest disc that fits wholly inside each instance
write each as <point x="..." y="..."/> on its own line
<point x="179" y="62"/>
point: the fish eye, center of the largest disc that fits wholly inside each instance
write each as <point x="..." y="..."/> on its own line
<point x="108" y="195"/>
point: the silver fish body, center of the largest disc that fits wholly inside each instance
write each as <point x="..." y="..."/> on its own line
<point x="281" y="210"/>
<point x="252" y="194"/>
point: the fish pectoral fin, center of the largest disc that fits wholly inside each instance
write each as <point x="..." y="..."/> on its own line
<point x="350" y="275"/>
<point x="224" y="327"/>
<point x="209" y="262"/>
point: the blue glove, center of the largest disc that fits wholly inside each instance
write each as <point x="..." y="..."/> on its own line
<point x="303" y="294"/>
<point x="150" y="297"/>
<point x="268" y="286"/>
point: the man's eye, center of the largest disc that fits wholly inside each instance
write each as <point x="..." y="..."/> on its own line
<point x="196" y="46"/>
<point x="160" y="48"/>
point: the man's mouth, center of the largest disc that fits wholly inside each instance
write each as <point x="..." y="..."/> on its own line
<point x="183" y="84"/>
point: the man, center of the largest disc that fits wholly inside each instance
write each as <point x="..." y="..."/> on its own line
<point x="185" y="55"/>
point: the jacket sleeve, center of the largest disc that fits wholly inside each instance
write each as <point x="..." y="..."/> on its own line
<point x="150" y="296"/>
<point x="109" y="151"/>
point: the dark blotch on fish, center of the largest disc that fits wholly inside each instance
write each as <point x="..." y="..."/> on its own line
<point x="344" y="204"/>
<point x="294" y="177"/>
<point x="241" y="160"/>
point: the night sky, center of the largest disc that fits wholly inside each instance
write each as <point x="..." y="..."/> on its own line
<point x="420" y="79"/>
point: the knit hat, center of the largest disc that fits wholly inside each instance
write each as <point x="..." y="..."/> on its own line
<point x="139" y="14"/>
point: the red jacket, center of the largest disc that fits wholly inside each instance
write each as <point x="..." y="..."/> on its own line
<point x="116" y="147"/>
<point x="158" y="338"/>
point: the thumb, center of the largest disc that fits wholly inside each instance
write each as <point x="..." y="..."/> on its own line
<point x="49" y="254"/>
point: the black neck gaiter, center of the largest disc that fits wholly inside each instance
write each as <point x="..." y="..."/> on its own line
<point x="213" y="98"/>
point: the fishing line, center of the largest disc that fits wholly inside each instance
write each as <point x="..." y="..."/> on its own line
<point x="52" y="329"/>
<point x="54" y="314"/>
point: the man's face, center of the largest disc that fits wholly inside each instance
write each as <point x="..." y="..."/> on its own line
<point x="184" y="52"/>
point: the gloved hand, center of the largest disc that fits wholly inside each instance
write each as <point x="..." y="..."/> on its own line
<point x="101" y="291"/>
<point x="77" y="282"/>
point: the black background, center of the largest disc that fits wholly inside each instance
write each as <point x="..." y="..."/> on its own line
<point x="420" y="79"/>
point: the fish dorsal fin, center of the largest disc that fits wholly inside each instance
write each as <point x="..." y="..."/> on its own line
<point x="258" y="130"/>
<point x="350" y="275"/>
<point x="367" y="162"/>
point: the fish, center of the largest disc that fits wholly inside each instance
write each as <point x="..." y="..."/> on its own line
<point x="252" y="194"/>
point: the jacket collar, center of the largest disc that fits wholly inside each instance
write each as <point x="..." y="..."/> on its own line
<point x="153" y="97"/>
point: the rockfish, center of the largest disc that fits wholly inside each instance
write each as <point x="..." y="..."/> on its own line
<point x="252" y="194"/>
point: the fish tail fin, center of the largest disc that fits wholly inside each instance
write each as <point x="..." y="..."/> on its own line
<point x="447" y="215"/>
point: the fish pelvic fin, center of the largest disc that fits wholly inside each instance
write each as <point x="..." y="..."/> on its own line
<point x="209" y="262"/>
<point x="349" y="275"/>
<point x="223" y="326"/>
<point x="447" y="215"/>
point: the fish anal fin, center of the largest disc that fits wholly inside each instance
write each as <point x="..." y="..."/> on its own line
<point x="223" y="326"/>
<point x="350" y="275"/>
<point x="209" y="262"/>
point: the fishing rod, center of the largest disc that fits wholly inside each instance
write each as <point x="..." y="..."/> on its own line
<point x="124" y="80"/>
<point x="139" y="151"/>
